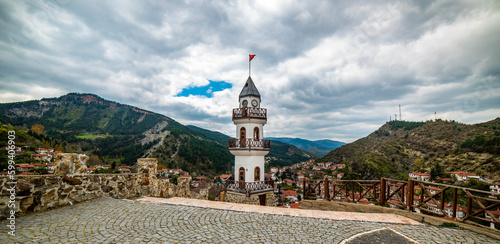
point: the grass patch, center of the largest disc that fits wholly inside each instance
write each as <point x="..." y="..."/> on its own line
<point x="448" y="224"/>
<point x="88" y="136"/>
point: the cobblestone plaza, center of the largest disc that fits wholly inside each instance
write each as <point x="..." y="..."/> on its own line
<point x="109" y="220"/>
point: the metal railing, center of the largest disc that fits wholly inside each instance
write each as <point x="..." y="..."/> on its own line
<point x="247" y="112"/>
<point x="249" y="143"/>
<point x="250" y="187"/>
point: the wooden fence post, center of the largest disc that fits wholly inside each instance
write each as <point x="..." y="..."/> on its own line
<point x="382" y="191"/>
<point x="409" y="195"/>
<point x="326" y="185"/>
<point x="304" y="188"/>
<point x="454" y="204"/>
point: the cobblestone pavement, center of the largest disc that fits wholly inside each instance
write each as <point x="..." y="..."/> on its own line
<point x="108" y="220"/>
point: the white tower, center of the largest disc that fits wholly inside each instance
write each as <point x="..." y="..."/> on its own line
<point x="249" y="147"/>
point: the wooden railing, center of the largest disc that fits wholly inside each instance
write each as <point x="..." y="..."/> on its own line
<point x="249" y="143"/>
<point x="250" y="187"/>
<point x="453" y="202"/>
<point x="248" y="112"/>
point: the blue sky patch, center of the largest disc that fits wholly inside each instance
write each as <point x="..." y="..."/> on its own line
<point x="207" y="90"/>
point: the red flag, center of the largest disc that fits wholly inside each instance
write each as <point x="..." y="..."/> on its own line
<point x="251" y="56"/>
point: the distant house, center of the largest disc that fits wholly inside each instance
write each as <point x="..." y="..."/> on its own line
<point x="274" y="170"/>
<point x="163" y="172"/>
<point x="40" y="157"/>
<point x="224" y="178"/>
<point x="186" y="177"/>
<point x="25" y="167"/>
<point x="340" y="176"/>
<point x="420" y="176"/>
<point x="464" y="176"/>
<point x="125" y="169"/>
<point x="291" y="195"/>
<point x="495" y="188"/>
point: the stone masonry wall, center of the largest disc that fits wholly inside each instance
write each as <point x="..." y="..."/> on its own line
<point x="235" y="197"/>
<point x="69" y="184"/>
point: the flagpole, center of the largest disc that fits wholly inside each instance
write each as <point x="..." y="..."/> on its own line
<point x="249" y="62"/>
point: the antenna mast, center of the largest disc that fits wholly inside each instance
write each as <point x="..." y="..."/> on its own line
<point x="400" y="118"/>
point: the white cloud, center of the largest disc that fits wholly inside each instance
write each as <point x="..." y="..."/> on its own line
<point x="328" y="69"/>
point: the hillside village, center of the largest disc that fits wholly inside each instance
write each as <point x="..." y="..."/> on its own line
<point x="288" y="179"/>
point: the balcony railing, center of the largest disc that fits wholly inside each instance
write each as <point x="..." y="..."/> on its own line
<point x="249" y="143"/>
<point x="250" y="187"/>
<point x="243" y="113"/>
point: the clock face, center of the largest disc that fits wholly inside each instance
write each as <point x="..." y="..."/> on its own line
<point x="245" y="103"/>
<point x="255" y="103"/>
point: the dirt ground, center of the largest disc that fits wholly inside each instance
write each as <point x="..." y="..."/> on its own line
<point x="363" y="208"/>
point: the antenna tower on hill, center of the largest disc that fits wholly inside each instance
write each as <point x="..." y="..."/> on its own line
<point x="400" y="118"/>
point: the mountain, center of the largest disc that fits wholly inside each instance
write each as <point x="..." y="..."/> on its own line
<point x="319" y="147"/>
<point x="113" y="132"/>
<point x="87" y="123"/>
<point x="281" y="154"/>
<point x="400" y="147"/>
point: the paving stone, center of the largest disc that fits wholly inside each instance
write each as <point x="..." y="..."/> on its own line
<point x="108" y="220"/>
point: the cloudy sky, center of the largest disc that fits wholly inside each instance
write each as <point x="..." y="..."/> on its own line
<point x="325" y="69"/>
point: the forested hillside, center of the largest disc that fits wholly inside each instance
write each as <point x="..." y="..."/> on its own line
<point x="399" y="147"/>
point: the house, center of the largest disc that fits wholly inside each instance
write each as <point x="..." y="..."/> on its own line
<point x="175" y="171"/>
<point x="340" y="176"/>
<point x="291" y="195"/>
<point x="274" y="170"/>
<point x="40" y="157"/>
<point x="339" y="166"/>
<point x="224" y="178"/>
<point x="495" y="188"/>
<point x="186" y="177"/>
<point x="25" y="167"/>
<point x="42" y="150"/>
<point x="163" y="172"/>
<point x="461" y="211"/>
<point x="463" y="176"/>
<point x="316" y="168"/>
<point x="290" y="182"/>
<point x="125" y="169"/>
<point x="420" y="176"/>
<point x="201" y="178"/>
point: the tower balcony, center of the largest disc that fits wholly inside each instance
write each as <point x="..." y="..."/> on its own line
<point x="250" y="187"/>
<point x="250" y="113"/>
<point x="249" y="144"/>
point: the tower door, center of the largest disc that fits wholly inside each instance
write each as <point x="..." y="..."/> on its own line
<point x="243" y="137"/>
<point x="262" y="199"/>
<point x="241" y="178"/>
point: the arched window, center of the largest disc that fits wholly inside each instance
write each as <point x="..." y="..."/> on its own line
<point x="257" y="174"/>
<point x="243" y="137"/>
<point x="241" y="177"/>
<point x="256" y="133"/>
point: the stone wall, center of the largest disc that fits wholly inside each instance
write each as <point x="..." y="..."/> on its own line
<point x="236" y="197"/>
<point x="69" y="184"/>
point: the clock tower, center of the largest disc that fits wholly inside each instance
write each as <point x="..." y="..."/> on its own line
<point x="249" y="149"/>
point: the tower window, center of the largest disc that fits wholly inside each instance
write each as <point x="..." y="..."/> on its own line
<point x="257" y="174"/>
<point x="256" y="133"/>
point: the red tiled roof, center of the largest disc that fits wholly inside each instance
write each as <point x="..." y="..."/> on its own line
<point x="26" y="165"/>
<point x="290" y="193"/>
